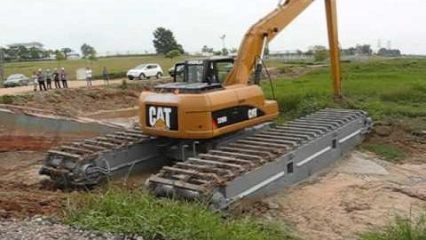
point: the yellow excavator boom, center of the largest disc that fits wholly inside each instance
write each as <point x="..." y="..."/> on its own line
<point x="260" y="34"/>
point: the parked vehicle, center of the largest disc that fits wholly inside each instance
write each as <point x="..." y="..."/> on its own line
<point x="145" y="71"/>
<point x="178" y="69"/>
<point x="16" y="80"/>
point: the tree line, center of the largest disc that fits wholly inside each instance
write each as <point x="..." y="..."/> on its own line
<point x="166" y="44"/>
<point x="22" y="53"/>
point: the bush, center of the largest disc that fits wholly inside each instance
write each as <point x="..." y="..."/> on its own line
<point x="400" y="229"/>
<point x="6" y="99"/>
<point x="114" y="75"/>
<point x="135" y="212"/>
<point x="124" y="85"/>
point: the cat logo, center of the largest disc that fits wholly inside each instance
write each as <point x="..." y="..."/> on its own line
<point x="159" y="117"/>
<point x="252" y="113"/>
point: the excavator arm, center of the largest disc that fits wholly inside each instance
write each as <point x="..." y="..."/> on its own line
<point x="260" y="34"/>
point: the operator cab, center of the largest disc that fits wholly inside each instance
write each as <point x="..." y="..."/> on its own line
<point x="199" y="76"/>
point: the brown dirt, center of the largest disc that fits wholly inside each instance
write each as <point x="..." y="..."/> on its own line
<point x="358" y="194"/>
<point x="76" y="102"/>
<point x="71" y="84"/>
<point x="30" y="143"/>
<point x="23" y="193"/>
<point x="402" y="136"/>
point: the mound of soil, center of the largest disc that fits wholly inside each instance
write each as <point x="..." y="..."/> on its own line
<point x="78" y="101"/>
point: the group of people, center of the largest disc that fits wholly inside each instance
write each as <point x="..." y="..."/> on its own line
<point x="43" y="79"/>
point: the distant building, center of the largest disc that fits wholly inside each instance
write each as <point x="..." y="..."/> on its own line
<point x="207" y="54"/>
<point x="290" y="55"/>
<point x="389" y="52"/>
<point x="28" y="45"/>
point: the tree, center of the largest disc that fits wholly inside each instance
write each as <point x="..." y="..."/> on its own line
<point x="23" y="53"/>
<point x="66" y="51"/>
<point x="173" y="53"/>
<point x="88" y="51"/>
<point x="320" y="53"/>
<point x="233" y="50"/>
<point x="2" y="58"/>
<point x="225" y="52"/>
<point x="35" y="53"/>
<point x="206" y="49"/>
<point x="59" y="55"/>
<point x="164" y="41"/>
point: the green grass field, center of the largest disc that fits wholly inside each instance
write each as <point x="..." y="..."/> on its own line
<point x="386" y="89"/>
<point x="114" y="65"/>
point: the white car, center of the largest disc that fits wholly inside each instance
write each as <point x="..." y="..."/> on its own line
<point x="144" y="71"/>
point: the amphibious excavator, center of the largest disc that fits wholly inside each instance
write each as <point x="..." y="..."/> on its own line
<point x="212" y="131"/>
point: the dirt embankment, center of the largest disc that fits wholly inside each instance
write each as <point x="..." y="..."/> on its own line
<point x="75" y="102"/>
<point x="24" y="193"/>
<point x="408" y="136"/>
<point x="25" y="143"/>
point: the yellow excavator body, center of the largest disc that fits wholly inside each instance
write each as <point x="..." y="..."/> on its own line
<point x="206" y="115"/>
<point x="206" y="107"/>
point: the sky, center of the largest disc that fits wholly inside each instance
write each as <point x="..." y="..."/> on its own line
<point x="126" y="25"/>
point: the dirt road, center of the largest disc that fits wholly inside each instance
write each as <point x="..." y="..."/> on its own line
<point x="71" y="84"/>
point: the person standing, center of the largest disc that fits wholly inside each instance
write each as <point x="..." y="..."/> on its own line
<point x="105" y="75"/>
<point x="89" y="75"/>
<point x="56" y="78"/>
<point x="41" y="80"/>
<point x="63" y="77"/>
<point x="35" y="80"/>
<point x="48" y="75"/>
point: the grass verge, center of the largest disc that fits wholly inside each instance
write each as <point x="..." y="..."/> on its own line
<point x="400" y="229"/>
<point x="135" y="212"/>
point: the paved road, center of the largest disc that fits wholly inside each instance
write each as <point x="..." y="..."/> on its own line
<point x="71" y="84"/>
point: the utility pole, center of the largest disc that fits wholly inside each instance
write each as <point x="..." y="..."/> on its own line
<point x="223" y="41"/>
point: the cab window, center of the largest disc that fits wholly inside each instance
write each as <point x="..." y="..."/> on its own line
<point x="195" y="74"/>
<point x="223" y="69"/>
